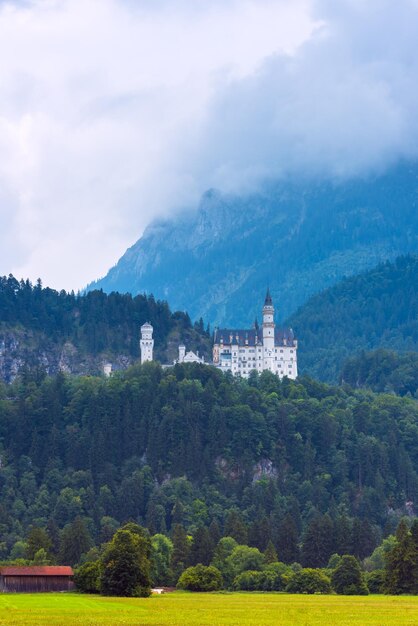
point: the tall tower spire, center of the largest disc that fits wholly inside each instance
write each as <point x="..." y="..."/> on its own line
<point x="268" y="301"/>
<point x="268" y="323"/>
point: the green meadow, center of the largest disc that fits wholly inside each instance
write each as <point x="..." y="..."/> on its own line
<point x="183" y="609"/>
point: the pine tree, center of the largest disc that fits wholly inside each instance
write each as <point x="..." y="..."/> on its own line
<point x="318" y="540"/>
<point x="287" y="540"/>
<point x="401" y="562"/>
<point x="259" y="533"/>
<point x="38" y="539"/>
<point x="75" y="541"/>
<point x="235" y="528"/>
<point x="270" y="553"/>
<point x="181" y="550"/>
<point x="414" y="536"/>
<point x="215" y="532"/>
<point x="202" y="547"/>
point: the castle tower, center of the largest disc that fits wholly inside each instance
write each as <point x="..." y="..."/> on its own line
<point x="182" y="353"/>
<point x="107" y="369"/>
<point x="147" y="342"/>
<point x="268" y="324"/>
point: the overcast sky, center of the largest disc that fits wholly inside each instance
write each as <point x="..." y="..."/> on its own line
<point x="113" y="112"/>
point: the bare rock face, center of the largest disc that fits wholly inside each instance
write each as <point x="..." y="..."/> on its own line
<point x="21" y="349"/>
<point x="264" y="469"/>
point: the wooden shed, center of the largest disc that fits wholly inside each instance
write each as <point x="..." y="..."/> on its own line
<point x="36" y="578"/>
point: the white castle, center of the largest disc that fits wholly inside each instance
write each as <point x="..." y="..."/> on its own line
<point x="242" y="351"/>
<point x="259" y="349"/>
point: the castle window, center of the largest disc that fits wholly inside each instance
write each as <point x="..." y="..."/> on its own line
<point x="281" y="350"/>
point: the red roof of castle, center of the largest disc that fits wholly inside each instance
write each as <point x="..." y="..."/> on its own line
<point x="37" y="570"/>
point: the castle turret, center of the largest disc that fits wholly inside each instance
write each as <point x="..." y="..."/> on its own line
<point x="147" y="342"/>
<point x="182" y="353"/>
<point x="107" y="369"/>
<point x="268" y="323"/>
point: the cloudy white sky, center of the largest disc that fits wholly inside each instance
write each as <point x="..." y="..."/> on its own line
<point x="113" y="112"/>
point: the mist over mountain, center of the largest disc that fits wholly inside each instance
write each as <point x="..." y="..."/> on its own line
<point x="298" y="237"/>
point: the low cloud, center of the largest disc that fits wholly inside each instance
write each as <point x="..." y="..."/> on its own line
<point x="113" y="112"/>
<point x="344" y="105"/>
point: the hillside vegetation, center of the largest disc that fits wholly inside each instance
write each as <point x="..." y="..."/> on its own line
<point x="383" y="370"/>
<point x="298" y="463"/>
<point x="41" y="327"/>
<point x="377" y="309"/>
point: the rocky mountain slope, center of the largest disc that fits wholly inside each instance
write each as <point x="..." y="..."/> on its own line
<point x="298" y="237"/>
<point x="57" y="331"/>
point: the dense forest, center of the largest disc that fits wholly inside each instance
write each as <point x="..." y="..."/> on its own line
<point x="377" y="309"/>
<point x="260" y="460"/>
<point x="59" y="330"/>
<point x="383" y="370"/>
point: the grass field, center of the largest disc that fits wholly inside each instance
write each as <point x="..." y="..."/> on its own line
<point x="183" y="609"/>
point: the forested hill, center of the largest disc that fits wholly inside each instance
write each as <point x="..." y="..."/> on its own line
<point x="297" y="236"/>
<point x="261" y="459"/>
<point x="372" y="310"/>
<point x="41" y="327"/>
<point x="383" y="370"/>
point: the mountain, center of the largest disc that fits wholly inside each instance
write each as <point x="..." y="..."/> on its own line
<point x="299" y="237"/>
<point x="376" y="309"/>
<point x="58" y="331"/>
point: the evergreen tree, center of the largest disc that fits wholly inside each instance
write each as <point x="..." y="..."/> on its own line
<point x="318" y="542"/>
<point x="287" y="540"/>
<point x="181" y="550"/>
<point x="75" y="541"/>
<point x="38" y="539"/>
<point x="235" y="528"/>
<point x="201" y="550"/>
<point x="414" y="557"/>
<point x="343" y="535"/>
<point x="270" y="553"/>
<point x="402" y="562"/>
<point x="259" y="533"/>
<point x="215" y="532"/>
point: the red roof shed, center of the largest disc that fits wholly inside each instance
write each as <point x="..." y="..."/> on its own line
<point x="36" y="578"/>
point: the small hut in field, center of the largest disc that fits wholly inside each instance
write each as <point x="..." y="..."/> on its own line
<point x="36" y="579"/>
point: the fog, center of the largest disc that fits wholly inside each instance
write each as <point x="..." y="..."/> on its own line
<point x="113" y="112"/>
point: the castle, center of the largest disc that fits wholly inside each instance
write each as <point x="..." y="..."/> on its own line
<point x="259" y="349"/>
<point x="242" y="351"/>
